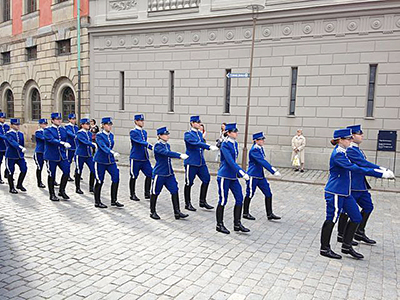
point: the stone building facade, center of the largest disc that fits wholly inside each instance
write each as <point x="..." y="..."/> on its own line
<point x="319" y="65"/>
<point x="38" y="69"/>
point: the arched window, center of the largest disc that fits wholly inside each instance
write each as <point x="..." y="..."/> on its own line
<point x="10" y="103"/>
<point x="36" y="105"/>
<point x="68" y="103"/>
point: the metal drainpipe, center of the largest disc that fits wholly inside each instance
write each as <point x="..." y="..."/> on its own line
<point x="78" y="8"/>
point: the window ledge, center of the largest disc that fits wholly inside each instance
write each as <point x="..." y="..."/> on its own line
<point x="171" y="112"/>
<point x="5" y="23"/>
<point x="226" y="114"/>
<point x="291" y="116"/>
<point x="61" y="5"/>
<point x="369" y="118"/>
<point x="30" y="16"/>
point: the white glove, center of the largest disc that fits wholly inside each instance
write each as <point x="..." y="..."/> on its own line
<point x="277" y="174"/>
<point x="116" y="154"/>
<point x="387" y="174"/>
<point x="184" y="156"/>
<point x="23" y="149"/>
<point x="95" y="146"/>
<point x="66" y="145"/>
<point x="213" y="148"/>
<point x="382" y="168"/>
<point x="246" y="177"/>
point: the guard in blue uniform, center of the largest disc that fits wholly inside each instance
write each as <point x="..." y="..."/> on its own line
<point x="84" y="155"/>
<point x="359" y="188"/>
<point x="228" y="174"/>
<point x="4" y="128"/>
<point x="72" y="129"/>
<point x="195" y="165"/>
<point x="139" y="158"/>
<point x="104" y="160"/>
<point x="55" y="155"/>
<point x="15" y="155"/>
<point x="257" y="163"/>
<point x="38" y="156"/>
<point x="338" y="195"/>
<point x="163" y="174"/>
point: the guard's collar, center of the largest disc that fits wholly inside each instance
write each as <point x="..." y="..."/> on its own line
<point x="341" y="149"/>
<point x="163" y="142"/>
<point x="105" y="132"/>
<point x="354" y="145"/>
<point x="13" y="130"/>
<point x="257" y="146"/>
<point x="229" y="139"/>
<point x="138" y="127"/>
<point x="194" y="129"/>
<point x="71" y="124"/>
<point x="55" y="126"/>
<point x="83" y="129"/>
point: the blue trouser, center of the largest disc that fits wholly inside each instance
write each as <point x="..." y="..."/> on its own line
<point x="39" y="160"/>
<point x="139" y="165"/>
<point x="224" y="185"/>
<point x="2" y="154"/>
<point x="192" y="171"/>
<point x="100" y="171"/>
<point x="159" y="182"/>
<point x="52" y="167"/>
<point x="364" y="200"/>
<point x="71" y="155"/>
<point x="261" y="183"/>
<point x="10" y="164"/>
<point x="81" y="160"/>
<point x="335" y="205"/>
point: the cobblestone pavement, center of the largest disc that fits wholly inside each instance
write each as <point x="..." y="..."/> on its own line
<point x="71" y="250"/>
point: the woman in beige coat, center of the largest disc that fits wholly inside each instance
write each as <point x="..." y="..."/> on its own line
<point x="298" y="145"/>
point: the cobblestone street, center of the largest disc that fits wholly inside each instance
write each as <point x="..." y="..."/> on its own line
<point x="72" y="250"/>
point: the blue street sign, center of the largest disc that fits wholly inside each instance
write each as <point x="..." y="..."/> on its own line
<point x="238" y="75"/>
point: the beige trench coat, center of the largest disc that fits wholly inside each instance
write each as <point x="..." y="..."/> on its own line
<point x="299" y="142"/>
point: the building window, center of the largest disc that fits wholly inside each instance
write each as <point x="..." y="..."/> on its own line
<point x="171" y="91"/>
<point x="36" y="105"/>
<point x="121" y="90"/>
<point x="371" y="90"/>
<point x="30" y="6"/>
<point x="293" y="90"/>
<point x="227" y="103"/>
<point x="10" y="104"/>
<point x="68" y="103"/>
<point x="64" y="47"/>
<point x="31" y="53"/>
<point x="59" y="1"/>
<point x="6" y="11"/>
<point x="6" y="58"/>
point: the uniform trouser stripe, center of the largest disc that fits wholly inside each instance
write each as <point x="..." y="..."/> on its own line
<point x="7" y="167"/>
<point x="337" y="212"/>
<point x="48" y="168"/>
<point x="36" y="160"/>
<point x="153" y="184"/>
<point x="131" y="169"/>
<point x="96" y="173"/>
<point x="187" y="174"/>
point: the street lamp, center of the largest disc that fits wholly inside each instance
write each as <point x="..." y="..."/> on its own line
<point x="255" y="8"/>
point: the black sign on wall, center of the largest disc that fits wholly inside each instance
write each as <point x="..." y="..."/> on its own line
<point x="387" y="140"/>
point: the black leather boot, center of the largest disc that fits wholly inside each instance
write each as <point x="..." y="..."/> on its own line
<point x="63" y="185"/>
<point x="246" y="205"/>
<point x="132" y="186"/>
<point x="147" y="186"/>
<point x="203" y="195"/>
<point x="360" y="232"/>
<point x="97" y="194"/>
<point x="56" y="183"/>
<point x="237" y="225"/>
<point x="50" y="183"/>
<point x="91" y="183"/>
<point x="78" y="183"/>
<point x="268" y="208"/>
<point x="5" y="173"/>
<point x="39" y="179"/>
<point x="20" y="181"/>
<point x="220" y="219"/>
<point x="187" y="192"/>
<point x="153" y="202"/>
<point x="326" y="234"/>
<point x="114" y="194"/>
<point x="70" y="178"/>
<point x="175" y="204"/>
<point x="348" y="236"/>
<point x="343" y="219"/>
<point x="11" y="184"/>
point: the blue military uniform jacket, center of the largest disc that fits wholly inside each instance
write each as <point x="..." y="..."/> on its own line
<point x="105" y="143"/>
<point x="15" y="142"/>
<point x="228" y="167"/>
<point x="139" y="144"/>
<point x="357" y="156"/>
<point x="4" y="128"/>
<point x="257" y="162"/>
<point x="84" y="143"/>
<point x="39" y="137"/>
<point x="195" y="146"/>
<point x="163" y="155"/>
<point x="53" y="149"/>
<point x="71" y="134"/>
<point x="340" y="170"/>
